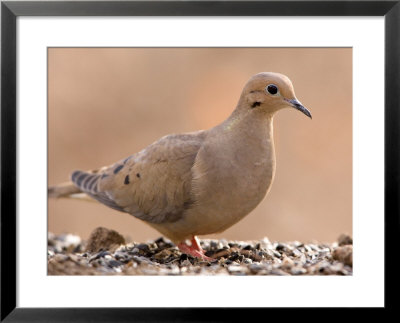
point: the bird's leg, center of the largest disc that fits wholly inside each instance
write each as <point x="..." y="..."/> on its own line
<point x="194" y="249"/>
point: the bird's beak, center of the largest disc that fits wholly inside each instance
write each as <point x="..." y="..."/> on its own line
<point x="297" y="105"/>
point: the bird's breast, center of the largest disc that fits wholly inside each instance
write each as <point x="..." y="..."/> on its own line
<point x="245" y="183"/>
<point x="230" y="183"/>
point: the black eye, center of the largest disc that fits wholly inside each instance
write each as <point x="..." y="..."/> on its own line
<point x="272" y="89"/>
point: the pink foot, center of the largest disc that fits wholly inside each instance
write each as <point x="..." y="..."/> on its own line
<point x="194" y="249"/>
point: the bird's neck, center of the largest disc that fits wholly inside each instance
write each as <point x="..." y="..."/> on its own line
<point x="255" y="125"/>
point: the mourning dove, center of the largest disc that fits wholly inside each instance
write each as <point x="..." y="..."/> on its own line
<point x="202" y="182"/>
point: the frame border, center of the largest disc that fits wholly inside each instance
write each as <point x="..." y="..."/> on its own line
<point x="10" y="10"/>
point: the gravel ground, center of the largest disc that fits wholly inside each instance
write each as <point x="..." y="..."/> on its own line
<point x="107" y="253"/>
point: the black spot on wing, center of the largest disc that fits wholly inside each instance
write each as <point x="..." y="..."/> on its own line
<point x="126" y="159"/>
<point x="116" y="170"/>
<point x="126" y="181"/>
<point x="138" y="175"/>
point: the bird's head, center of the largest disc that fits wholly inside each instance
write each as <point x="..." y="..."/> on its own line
<point x="270" y="92"/>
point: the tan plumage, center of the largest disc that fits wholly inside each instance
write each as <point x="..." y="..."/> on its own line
<point x="202" y="182"/>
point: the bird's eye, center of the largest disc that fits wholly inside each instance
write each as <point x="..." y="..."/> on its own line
<point x="272" y="89"/>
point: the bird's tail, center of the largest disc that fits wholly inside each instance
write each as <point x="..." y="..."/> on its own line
<point x="67" y="190"/>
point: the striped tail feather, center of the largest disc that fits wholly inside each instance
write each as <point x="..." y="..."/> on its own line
<point x="82" y="186"/>
<point x="87" y="182"/>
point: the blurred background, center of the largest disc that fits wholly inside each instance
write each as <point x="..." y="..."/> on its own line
<point x="106" y="103"/>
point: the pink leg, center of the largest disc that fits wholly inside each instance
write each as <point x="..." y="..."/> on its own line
<point x="194" y="249"/>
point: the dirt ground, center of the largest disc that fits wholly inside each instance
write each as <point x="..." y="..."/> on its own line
<point x="106" y="252"/>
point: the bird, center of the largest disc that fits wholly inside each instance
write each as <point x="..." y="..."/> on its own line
<point x="196" y="183"/>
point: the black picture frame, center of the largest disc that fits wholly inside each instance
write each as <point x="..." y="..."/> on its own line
<point x="11" y="10"/>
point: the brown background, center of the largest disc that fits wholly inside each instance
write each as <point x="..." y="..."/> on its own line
<point x="105" y="104"/>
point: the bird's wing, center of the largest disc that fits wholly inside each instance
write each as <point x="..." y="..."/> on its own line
<point x="153" y="184"/>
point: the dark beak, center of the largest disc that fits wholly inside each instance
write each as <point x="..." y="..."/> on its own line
<point x="297" y="105"/>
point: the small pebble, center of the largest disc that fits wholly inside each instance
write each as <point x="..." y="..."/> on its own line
<point x="344" y="239"/>
<point x="104" y="239"/>
<point x="298" y="270"/>
<point x="276" y="254"/>
<point x="234" y="269"/>
<point x="143" y="247"/>
<point x="114" y="263"/>
<point x="297" y="253"/>
<point x="280" y="247"/>
<point x="344" y="254"/>
<point x="287" y="263"/>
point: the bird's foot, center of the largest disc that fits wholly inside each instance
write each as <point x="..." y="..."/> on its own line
<point x="194" y="249"/>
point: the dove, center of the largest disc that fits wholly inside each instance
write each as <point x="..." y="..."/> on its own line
<point x="197" y="183"/>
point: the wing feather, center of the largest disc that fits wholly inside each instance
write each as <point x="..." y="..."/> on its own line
<point x="153" y="185"/>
